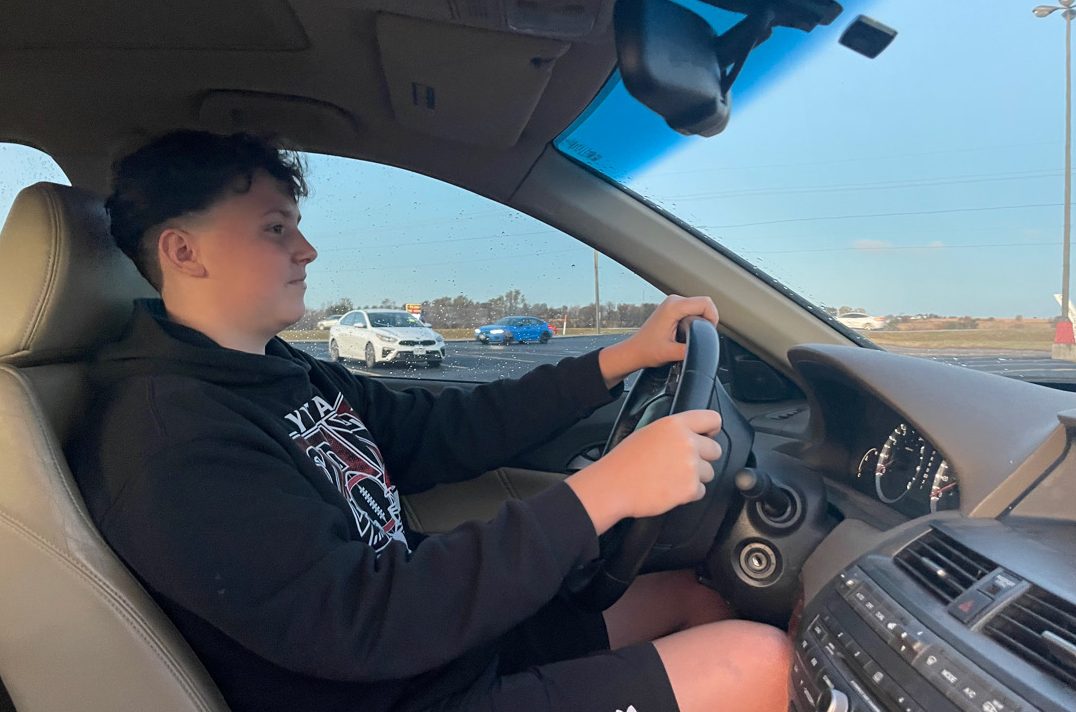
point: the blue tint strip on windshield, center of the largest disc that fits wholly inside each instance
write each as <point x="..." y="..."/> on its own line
<point x="616" y="135"/>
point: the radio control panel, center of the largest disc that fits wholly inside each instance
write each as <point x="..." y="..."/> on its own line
<point x="860" y="650"/>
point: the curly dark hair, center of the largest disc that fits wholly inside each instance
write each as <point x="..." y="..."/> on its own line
<point x="184" y="172"/>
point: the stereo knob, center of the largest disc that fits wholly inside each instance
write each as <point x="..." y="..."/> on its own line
<point x="832" y="701"/>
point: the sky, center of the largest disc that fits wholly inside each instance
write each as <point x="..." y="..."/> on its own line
<point x="928" y="180"/>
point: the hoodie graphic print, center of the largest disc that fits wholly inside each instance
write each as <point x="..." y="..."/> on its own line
<point x="338" y="442"/>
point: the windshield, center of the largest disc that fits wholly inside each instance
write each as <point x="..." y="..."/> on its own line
<point x="506" y="321"/>
<point x="393" y="319"/>
<point x="916" y="198"/>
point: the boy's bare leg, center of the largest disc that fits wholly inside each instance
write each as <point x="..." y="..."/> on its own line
<point x="662" y="603"/>
<point x="731" y="665"/>
<point x="713" y="663"/>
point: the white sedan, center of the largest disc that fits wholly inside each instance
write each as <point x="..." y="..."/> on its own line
<point x="859" y="320"/>
<point x="378" y="336"/>
<point x="329" y="321"/>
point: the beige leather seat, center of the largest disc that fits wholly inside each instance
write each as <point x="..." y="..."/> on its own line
<point x="77" y="631"/>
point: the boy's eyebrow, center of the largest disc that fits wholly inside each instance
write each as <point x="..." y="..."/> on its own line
<point x="286" y="212"/>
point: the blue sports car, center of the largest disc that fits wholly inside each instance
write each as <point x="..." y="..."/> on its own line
<point x="515" y="328"/>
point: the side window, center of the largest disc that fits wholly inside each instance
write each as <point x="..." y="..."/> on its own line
<point x="21" y="166"/>
<point x="348" y="320"/>
<point x="405" y="245"/>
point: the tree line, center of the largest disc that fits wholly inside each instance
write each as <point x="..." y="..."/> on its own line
<point x="463" y="312"/>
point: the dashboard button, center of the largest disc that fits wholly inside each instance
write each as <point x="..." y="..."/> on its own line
<point x="999" y="583"/>
<point x="818" y="630"/>
<point x="973" y="691"/>
<point x="994" y="702"/>
<point x="908" y="650"/>
<point x="929" y="664"/>
<point x="849" y="582"/>
<point x="876" y="676"/>
<point x="879" y="618"/>
<point x="969" y="605"/>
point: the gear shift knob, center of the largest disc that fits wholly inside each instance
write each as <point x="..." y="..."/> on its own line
<point x="774" y="503"/>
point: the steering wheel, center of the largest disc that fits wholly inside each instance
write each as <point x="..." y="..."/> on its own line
<point x="682" y="536"/>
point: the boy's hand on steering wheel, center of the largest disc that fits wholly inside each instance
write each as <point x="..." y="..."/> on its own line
<point x="654" y="344"/>
<point x="656" y="468"/>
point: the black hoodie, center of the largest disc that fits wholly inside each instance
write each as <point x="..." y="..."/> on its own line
<point x="256" y="497"/>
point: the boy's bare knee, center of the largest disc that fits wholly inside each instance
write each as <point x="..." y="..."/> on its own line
<point x="728" y="665"/>
<point x="772" y="645"/>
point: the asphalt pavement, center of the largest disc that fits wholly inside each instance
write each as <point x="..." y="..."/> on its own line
<point x="472" y="361"/>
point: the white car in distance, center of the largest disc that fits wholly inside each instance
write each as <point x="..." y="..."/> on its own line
<point x="859" y="320"/>
<point x="377" y="336"/>
<point x="329" y="321"/>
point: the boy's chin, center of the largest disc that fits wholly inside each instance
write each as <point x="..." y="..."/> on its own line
<point x="286" y="319"/>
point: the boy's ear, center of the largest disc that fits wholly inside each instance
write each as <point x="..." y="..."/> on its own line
<point x="178" y="251"/>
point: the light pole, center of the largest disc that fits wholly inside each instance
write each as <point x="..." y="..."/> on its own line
<point x="597" y="297"/>
<point x="1064" y="343"/>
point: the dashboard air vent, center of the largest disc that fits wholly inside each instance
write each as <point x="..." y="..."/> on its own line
<point x="942" y="565"/>
<point x="1040" y="628"/>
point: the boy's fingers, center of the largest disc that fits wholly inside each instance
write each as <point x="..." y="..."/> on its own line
<point x="694" y="306"/>
<point x="709" y="450"/>
<point x="701" y="421"/>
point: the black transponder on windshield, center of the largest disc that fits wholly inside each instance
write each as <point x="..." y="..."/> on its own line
<point x="867" y="36"/>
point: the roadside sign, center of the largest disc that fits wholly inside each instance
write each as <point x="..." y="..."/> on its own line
<point x="415" y="309"/>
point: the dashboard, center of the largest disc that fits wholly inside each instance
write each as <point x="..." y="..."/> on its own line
<point x="947" y="577"/>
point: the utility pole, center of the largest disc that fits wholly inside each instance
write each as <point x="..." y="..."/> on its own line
<point x="597" y="297"/>
<point x="1064" y="343"/>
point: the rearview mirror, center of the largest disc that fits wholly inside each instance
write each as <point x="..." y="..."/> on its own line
<point x="671" y="60"/>
<point x="668" y="61"/>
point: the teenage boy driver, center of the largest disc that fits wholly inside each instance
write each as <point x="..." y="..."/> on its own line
<point x="254" y="490"/>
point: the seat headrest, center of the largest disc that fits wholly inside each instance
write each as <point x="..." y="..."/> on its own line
<point x="65" y="288"/>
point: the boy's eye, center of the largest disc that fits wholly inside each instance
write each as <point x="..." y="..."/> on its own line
<point x="277" y="229"/>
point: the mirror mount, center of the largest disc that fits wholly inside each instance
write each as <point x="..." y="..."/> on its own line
<point x="733" y="47"/>
<point x="802" y="15"/>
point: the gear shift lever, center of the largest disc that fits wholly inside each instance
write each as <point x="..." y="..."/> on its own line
<point x="775" y="504"/>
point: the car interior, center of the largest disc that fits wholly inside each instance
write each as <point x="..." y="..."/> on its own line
<point x="901" y="591"/>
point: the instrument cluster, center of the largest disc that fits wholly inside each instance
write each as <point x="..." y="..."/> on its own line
<point x="908" y="473"/>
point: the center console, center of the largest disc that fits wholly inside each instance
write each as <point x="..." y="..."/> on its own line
<point x="935" y="626"/>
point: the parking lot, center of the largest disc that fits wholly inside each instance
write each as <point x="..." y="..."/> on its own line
<point x="471" y="361"/>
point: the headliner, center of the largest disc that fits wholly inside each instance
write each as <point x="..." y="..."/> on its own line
<point x="87" y="82"/>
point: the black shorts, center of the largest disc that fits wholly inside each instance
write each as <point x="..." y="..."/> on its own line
<point x="559" y="661"/>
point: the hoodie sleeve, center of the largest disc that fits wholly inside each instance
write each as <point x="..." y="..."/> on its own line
<point x="239" y="540"/>
<point x="453" y="435"/>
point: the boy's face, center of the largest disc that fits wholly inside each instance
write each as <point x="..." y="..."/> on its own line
<point x="254" y="258"/>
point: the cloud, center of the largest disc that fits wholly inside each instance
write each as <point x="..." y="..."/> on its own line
<point x="873" y="245"/>
<point x="937" y="244"/>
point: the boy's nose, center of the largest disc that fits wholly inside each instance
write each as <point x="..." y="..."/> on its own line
<point x="306" y="252"/>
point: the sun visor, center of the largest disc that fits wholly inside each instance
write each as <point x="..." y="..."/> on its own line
<point x="462" y="83"/>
